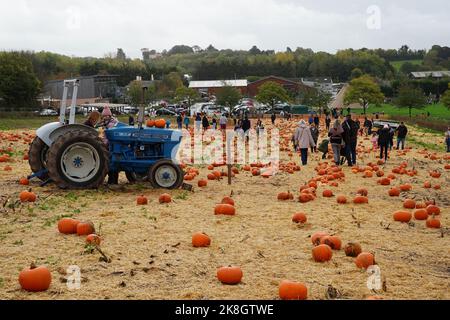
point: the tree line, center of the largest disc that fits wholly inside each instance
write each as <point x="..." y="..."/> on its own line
<point x="22" y="74"/>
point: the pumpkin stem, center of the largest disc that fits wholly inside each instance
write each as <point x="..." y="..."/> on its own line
<point x="33" y="266"/>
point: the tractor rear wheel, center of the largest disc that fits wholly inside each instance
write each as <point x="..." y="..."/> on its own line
<point x="164" y="174"/>
<point x="37" y="157"/>
<point x="78" y="160"/>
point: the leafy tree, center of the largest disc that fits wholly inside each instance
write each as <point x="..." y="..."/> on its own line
<point x="356" y="73"/>
<point x="120" y="54"/>
<point x="181" y="49"/>
<point x="409" y="67"/>
<point x="169" y="84"/>
<point x="410" y="97"/>
<point x="363" y="90"/>
<point x="138" y="95"/>
<point x="183" y="93"/>
<point x="228" y="96"/>
<point x="445" y="99"/>
<point x="211" y="49"/>
<point x="19" y="85"/>
<point x="317" y="99"/>
<point x="271" y="93"/>
<point x="254" y="50"/>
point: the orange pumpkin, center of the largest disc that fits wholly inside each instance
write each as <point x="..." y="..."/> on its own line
<point x="35" y="279"/>
<point x="433" y="209"/>
<point x="228" y="200"/>
<point x="27" y="196"/>
<point x="165" y="198"/>
<point x="284" y="196"/>
<point x="405" y="187"/>
<point x="394" y="192"/>
<point x="289" y="290"/>
<point x="363" y="192"/>
<point x="433" y="223"/>
<point x="24" y="182"/>
<point x="342" y="199"/>
<point x="85" y="228"/>
<point x="365" y="260"/>
<point x="334" y="242"/>
<point x="200" y="240"/>
<point x="68" y="226"/>
<point x="160" y="123"/>
<point x="402" y="216"/>
<point x="420" y="214"/>
<point x="225" y="209"/>
<point x="299" y="218"/>
<point x="202" y="183"/>
<point x="322" y="253"/>
<point x="327" y="193"/>
<point x="93" y="239"/>
<point x="352" y="249"/>
<point x="409" y="204"/>
<point x="142" y="200"/>
<point x="150" y="123"/>
<point x="385" y="182"/>
<point x="360" y="200"/>
<point x="317" y="237"/>
<point x="230" y="275"/>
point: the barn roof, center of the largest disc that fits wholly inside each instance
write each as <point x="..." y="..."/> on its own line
<point x="218" y="83"/>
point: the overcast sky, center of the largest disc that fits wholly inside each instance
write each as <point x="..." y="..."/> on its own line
<point x="96" y="27"/>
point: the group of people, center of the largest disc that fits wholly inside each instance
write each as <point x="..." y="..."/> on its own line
<point x="343" y="138"/>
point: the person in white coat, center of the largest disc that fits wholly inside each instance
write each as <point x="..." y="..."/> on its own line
<point x="304" y="140"/>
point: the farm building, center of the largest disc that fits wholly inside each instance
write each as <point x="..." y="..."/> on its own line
<point x="212" y="87"/>
<point x="436" y="75"/>
<point x="292" y="86"/>
<point x="92" y="88"/>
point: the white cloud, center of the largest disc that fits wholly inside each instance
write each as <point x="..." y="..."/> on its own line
<point x="96" y="27"/>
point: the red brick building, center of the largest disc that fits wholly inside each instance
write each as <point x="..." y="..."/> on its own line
<point x="289" y="85"/>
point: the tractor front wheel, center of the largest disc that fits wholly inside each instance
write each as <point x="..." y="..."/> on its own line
<point x="164" y="174"/>
<point x="78" y="160"/>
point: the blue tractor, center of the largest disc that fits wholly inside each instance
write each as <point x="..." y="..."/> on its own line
<point x="74" y="157"/>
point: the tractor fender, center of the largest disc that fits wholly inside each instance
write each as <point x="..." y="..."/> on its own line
<point x="45" y="131"/>
<point x="52" y="131"/>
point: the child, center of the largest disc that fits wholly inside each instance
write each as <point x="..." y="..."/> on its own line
<point x="323" y="147"/>
<point x="374" y="141"/>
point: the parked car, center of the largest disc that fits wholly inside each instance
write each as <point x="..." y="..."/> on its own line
<point x="48" y="112"/>
<point x="165" y="112"/>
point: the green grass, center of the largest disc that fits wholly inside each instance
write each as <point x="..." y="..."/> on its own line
<point x="437" y="111"/>
<point x="398" y="64"/>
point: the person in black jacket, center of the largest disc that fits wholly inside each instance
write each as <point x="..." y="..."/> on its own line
<point x="350" y="136"/>
<point x="384" y="141"/>
<point x="205" y="123"/>
<point x="402" y="132"/>
<point x="246" y="126"/>
<point x="273" y="118"/>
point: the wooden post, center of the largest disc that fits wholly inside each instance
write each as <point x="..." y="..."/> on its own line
<point x="229" y="174"/>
